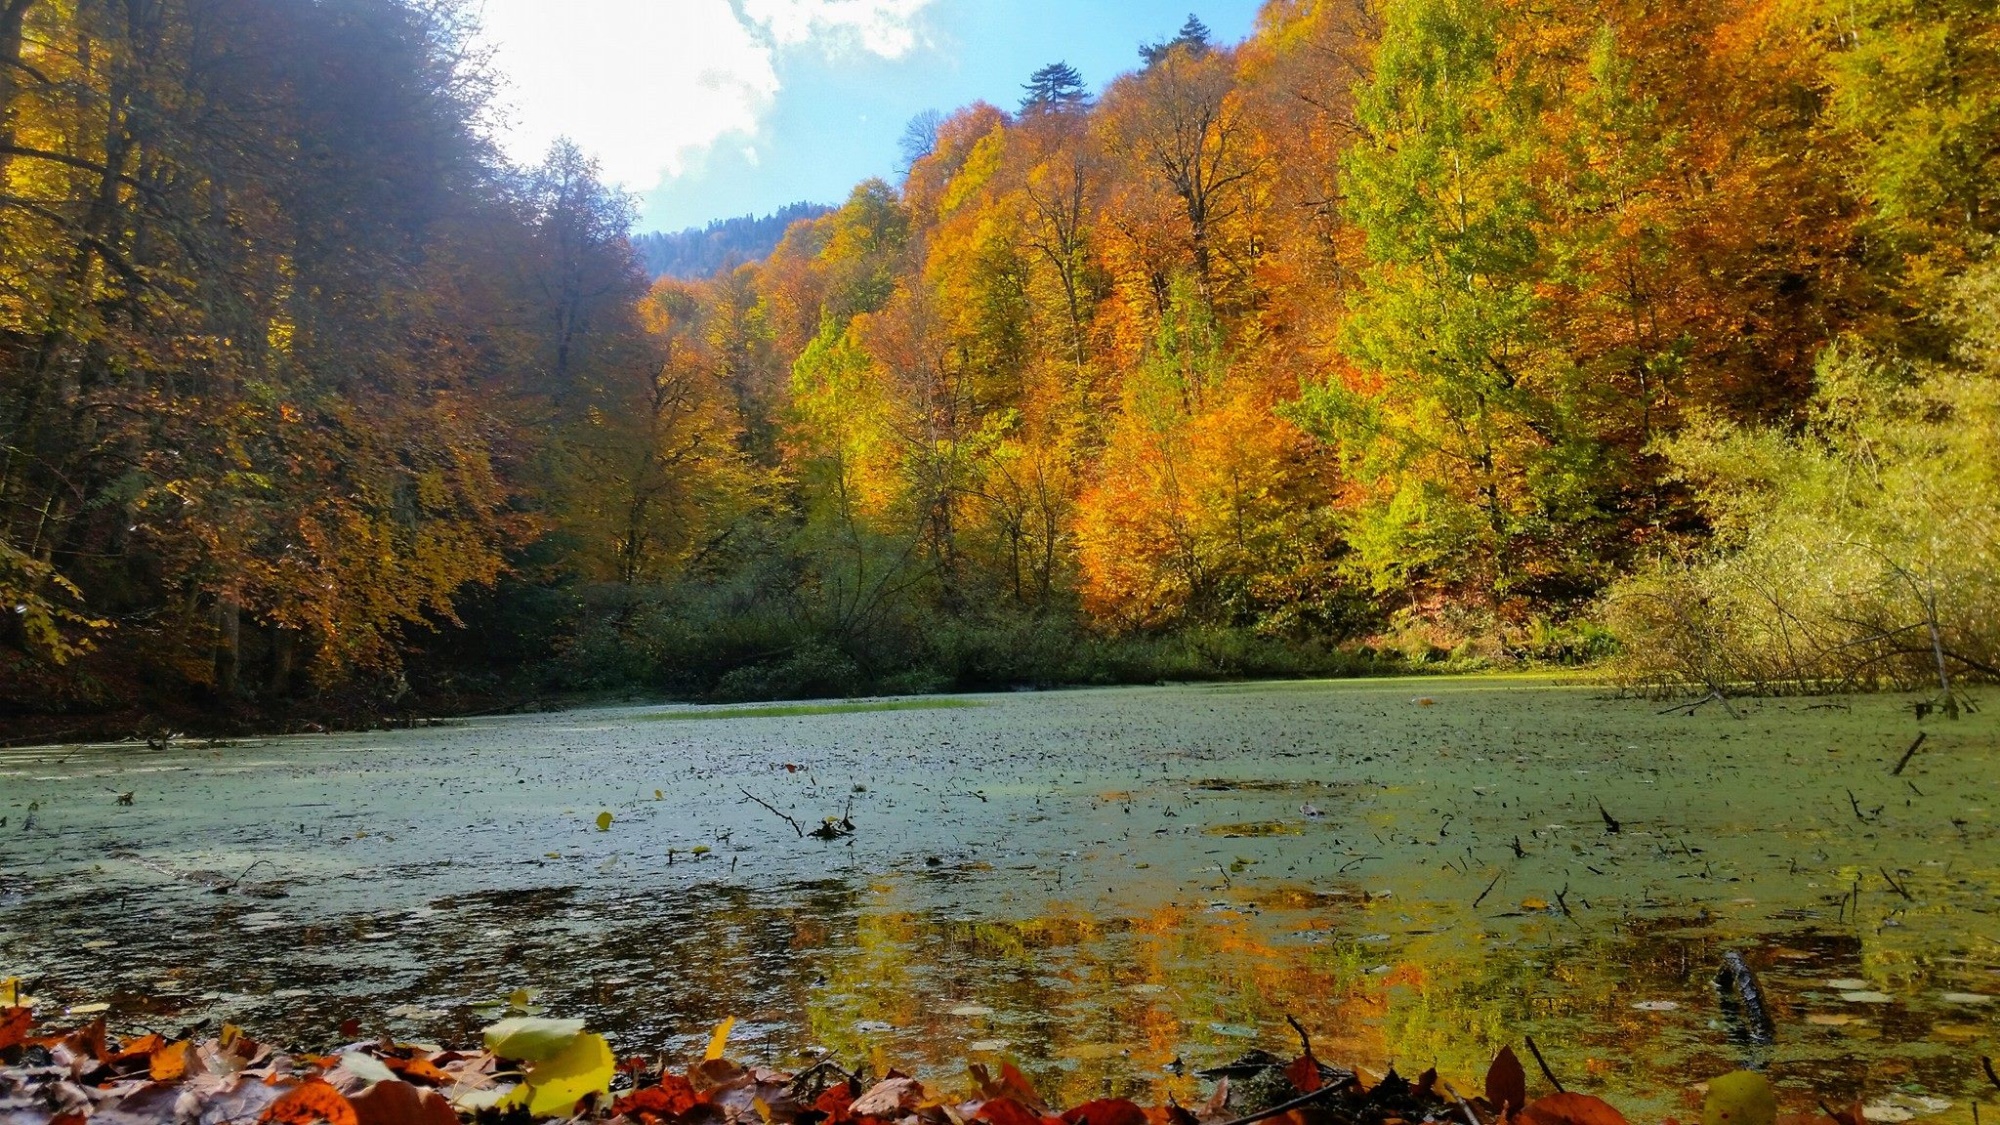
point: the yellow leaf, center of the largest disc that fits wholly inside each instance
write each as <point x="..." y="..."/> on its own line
<point x="1741" y="1098"/>
<point x="555" y="1085"/>
<point x="532" y="1040"/>
<point x="604" y="822"/>
<point x="719" y="1042"/>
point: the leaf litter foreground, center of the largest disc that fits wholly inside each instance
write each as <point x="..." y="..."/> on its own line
<point x="538" y="1069"/>
<point x="1095" y="884"/>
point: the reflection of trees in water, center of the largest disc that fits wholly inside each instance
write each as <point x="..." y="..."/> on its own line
<point x="1091" y="1005"/>
<point x="651" y="971"/>
<point x="1096" y="1007"/>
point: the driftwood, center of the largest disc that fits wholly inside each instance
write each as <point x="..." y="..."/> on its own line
<point x="1743" y="999"/>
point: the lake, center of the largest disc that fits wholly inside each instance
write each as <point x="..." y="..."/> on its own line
<point x="1096" y="883"/>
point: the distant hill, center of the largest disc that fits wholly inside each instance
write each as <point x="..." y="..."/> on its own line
<point x="699" y="252"/>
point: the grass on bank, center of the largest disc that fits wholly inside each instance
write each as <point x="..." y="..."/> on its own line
<point x="789" y="710"/>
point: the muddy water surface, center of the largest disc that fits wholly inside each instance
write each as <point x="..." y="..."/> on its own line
<point x="1096" y="883"/>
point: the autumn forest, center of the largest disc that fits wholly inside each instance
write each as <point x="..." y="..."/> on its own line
<point x="1403" y="334"/>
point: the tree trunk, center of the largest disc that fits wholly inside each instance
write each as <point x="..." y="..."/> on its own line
<point x="13" y="22"/>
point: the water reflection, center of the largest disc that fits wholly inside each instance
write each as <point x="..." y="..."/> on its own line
<point x="1091" y="1005"/>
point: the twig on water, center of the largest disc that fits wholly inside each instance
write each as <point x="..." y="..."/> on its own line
<point x="1488" y="890"/>
<point x="1464" y="1107"/>
<point x="1910" y="753"/>
<point x="774" y="812"/>
<point x="1865" y="818"/>
<point x="1305" y="1041"/>
<point x="1544" y="1064"/>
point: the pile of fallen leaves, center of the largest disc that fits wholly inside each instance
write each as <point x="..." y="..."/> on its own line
<point x="535" y="1069"/>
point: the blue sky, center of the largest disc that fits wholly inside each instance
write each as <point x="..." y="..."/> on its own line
<point x="712" y="108"/>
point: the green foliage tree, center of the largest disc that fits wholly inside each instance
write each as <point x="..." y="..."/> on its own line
<point x="1859" y="553"/>
<point x="1453" y="417"/>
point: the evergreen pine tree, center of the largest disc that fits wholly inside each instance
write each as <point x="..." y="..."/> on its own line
<point x="1193" y="36"/>
<point x="1055" y="86"/>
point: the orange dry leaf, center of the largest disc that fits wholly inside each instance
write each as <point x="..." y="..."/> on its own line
<point x="14" y="1025"/>
<point x="312" y="1102"/>
<point x="399" y="1103"/>
<point x="1106" y="1111"/>
<point x="1304" y="1073"/>
<point x="1569" y="1109"/>
<point x="1011" y="1084"/>
<point x="419" y="1070"/>
<point x="1006" y="1111"/>
<point x="675" y="1096"/>
<point x="133" y="1048"/>
<point x="170" y="1063"/>
<point x="89" y="1040"/>
<point x="833" y="1101"/>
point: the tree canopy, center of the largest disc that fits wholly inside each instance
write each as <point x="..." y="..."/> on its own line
<point x="1403" y="327"/>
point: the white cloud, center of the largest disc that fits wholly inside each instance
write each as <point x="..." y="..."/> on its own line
<point x="649" y="85"/>
<point x="883" y="27"/>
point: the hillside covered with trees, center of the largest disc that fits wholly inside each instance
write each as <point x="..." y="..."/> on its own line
<point x="1405" y="330"/>
<point x="701" y="252"/>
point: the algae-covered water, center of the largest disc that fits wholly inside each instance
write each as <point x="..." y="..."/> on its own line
<point x="1095" y="883"/>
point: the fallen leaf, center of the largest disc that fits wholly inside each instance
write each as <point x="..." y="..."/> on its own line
<point x="14" y="1025"/>
<point x="891" y="1098"/>
<point x="419" y="1070"/>
<point x="368" y="1068"/>
<point x="1006" y="1111"/>
<point x="1506" y="1081"/>
<point x="170" y="1063"/>
<point x="1304" y="1073"/>
<point x="674" y="1096"/>
<point x="604" y="822"/>
<point x="399" y="1103"/>
<point x="1740" y="1098"/>
<point x="583" y="1068"/>
<point x="1572" y="1109"/>
<point x="719" y="1041"/>
<point x="312" y="1102"/>
<point x="530" y="1038"/>
<point x="835" y="1100"/>
<point x="1011" y="1084"/>
<point x="1106" y="1111"/>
